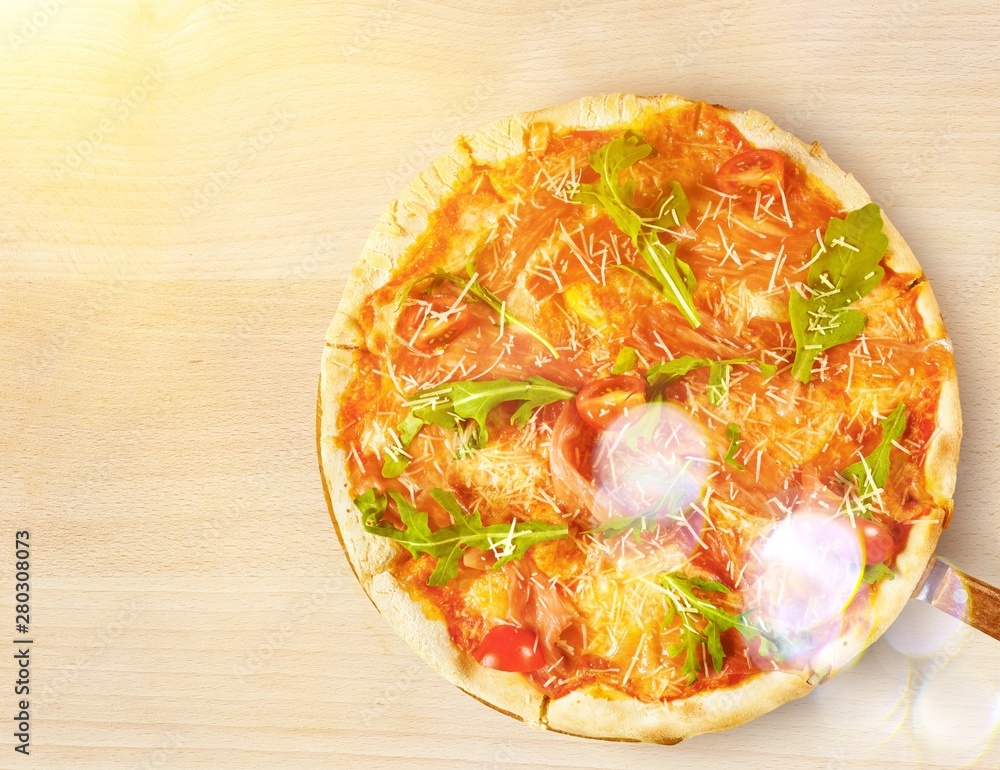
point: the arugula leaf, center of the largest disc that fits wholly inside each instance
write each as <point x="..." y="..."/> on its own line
<point x="475" y="399"/>
<point x="371" y="505"/>
<point x="481" y="294"/>
<point x="642" y="522"/>
<point x="645" y="426"/>
<point x="733" y="434"/>
<point x="664" y="373"/>
<point x="396" y="458"/>
<point x="668" y="371"/>
<point x="704" y="584"/>
<point x="646" y="520"/>
<point x="433" y="407"/>
<point x="626" y="360"/>
<point x="870" y="473"/>
<point x="682" y="599"/>
<point x="769" y="648"/>
<point x="622" y="524"/>
<point x="507" y="541"/>
<point x="671" y="276"/>
<point x="718" y="383"/>
<point x="611" y="195"/>
<point x="873" y="471"/>
<point x="876" y="572"/>
<point x="691" y="642"/>
<point x="670" y="211"/>
<point x="448" y="405"/>
<point x="845" y="268"/>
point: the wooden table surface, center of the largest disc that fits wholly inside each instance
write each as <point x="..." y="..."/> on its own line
<point x="183" y="188"/>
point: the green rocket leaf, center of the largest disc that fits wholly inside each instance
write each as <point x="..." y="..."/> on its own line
<point x="845" y="268"/>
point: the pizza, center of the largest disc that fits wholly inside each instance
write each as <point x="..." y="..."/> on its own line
<point x="637" y="417"/>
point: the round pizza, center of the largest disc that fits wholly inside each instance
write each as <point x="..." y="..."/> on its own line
<point x="637" y="417"/>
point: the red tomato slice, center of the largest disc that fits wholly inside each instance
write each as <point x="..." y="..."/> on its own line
<point x="603" y="402"/>
<point x="750" y="171"/>
<point x="510" y="648"/>
<point x="431" y="323"/>
<point x="878" y="542"/>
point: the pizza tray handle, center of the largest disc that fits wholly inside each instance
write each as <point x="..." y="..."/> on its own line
<point x="961" y="596"/>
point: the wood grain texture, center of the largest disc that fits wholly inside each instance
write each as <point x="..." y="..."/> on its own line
<point x="183" y="188"/>
<point x="961" y="596"/>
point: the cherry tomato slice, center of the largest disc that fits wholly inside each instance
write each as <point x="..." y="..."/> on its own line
<point x="750" y="171"/>
<point x="603" y="402"/>
<point x="510" y="648"/>
<point x="878" y="542"/>
<point x="431" y="323"/>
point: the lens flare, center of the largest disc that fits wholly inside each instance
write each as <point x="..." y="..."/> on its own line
<point x="808" y="569"/>
<point x="922" y="630"/>
<point x="885" y="675"/>
<point x="955" y="714"/>
<point x="655" y="466"/>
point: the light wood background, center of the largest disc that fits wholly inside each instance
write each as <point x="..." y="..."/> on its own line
<point x="184" y="187"/>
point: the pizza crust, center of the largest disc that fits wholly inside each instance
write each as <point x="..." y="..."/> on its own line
<point x="428" y="636"/>
<point x="590" y="712"/>
<point x="367" y="554"/>
<point x="596" y="712"/>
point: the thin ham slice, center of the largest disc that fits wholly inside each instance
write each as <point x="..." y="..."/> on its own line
<point x="536" y="603"/>
<point x="572" y="442"/>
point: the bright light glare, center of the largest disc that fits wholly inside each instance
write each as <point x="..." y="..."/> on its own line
<point x="654" y="465"/>
<point x="922" y="629"/>
<point x="808" y="571"/>
<point x="955" y="714"/>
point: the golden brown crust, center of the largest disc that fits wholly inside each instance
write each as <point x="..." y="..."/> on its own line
<point x="604" y="713"/>
<point x="942" y="451"/>
<point x="368" y="555"/>
<point x="941" y="465"/>
<point x="428" y="636"/>
<point x="596" y="712"/>
<point x="929" y="311"/>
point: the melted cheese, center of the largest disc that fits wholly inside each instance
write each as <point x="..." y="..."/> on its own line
<point x="487" y="595"/>
<point x="580" y="299"/>
<point x="740" y="304"/>
<point x="505" y="474"/>
<point x="625" y="608"/>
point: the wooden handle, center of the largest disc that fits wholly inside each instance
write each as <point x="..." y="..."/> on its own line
<point x="961" y="596"/>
